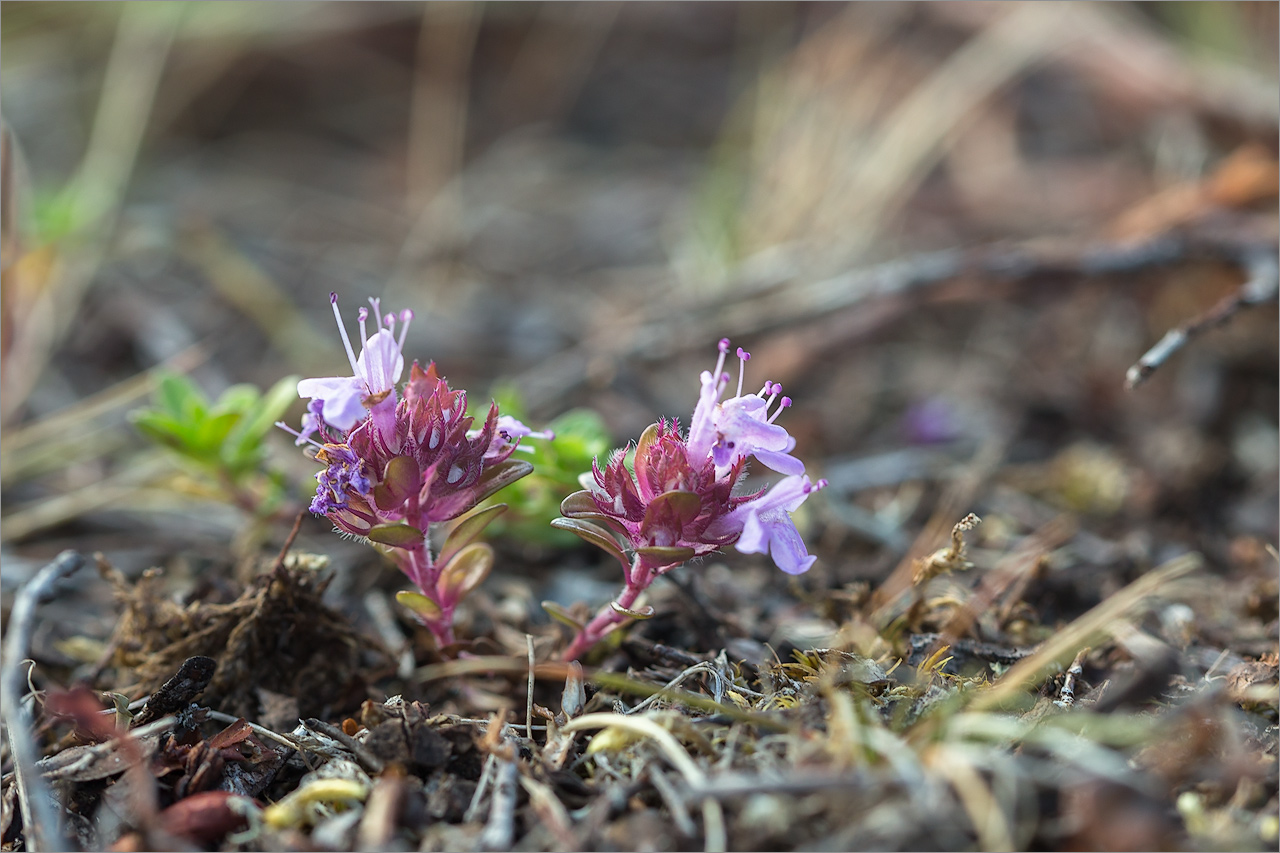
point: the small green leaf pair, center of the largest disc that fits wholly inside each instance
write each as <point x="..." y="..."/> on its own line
<point x="462" y="565"/>
<point x="580" y="437"/>
<point x="223" y="438"/>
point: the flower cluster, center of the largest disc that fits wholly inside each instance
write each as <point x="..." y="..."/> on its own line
<point x="395" y="465"/>
<point x="680" y="498"/>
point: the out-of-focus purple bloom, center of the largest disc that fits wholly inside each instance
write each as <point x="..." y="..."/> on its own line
<point x="931" y="421"/>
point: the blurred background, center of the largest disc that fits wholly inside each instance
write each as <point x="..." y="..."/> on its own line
<point x="891" y="204"/>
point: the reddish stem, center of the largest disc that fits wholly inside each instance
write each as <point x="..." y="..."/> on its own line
<point x="608" y="619"/>
<point x="425" y="575"/>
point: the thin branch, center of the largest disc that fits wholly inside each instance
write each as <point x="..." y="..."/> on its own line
<point x="278" y="566"/>
<point x="1261" y="286"/>
<point x="499" y="830"/>
<point x="283" y="740"/>
<point x="786" y="295"/>
<point x="41" y="821"/>
<point x="363" y="755"/>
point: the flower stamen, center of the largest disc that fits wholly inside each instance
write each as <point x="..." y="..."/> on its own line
<point x="784" y="403"/>
<point x="405" y="316"/>
<point x="346" y="341"/>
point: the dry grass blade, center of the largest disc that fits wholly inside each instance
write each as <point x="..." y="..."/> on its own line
<point x="480" y="665"/>
<point x="132" y="78"/>
<point x="693" y="700"/>
<point x="552" y="813"/>
<point x="975" y="795"/>
<point x="712" y="814"/>
<point x="1067" y="642"/>
<point x="913" y="137"/>
<point x="120" y="491"/>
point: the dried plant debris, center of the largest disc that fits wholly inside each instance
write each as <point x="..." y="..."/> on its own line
<point x="831" y="749"/>
<point x="999" y="279"/>
<point x="277" y="638"/>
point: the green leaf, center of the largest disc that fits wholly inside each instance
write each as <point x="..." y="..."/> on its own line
<point x="400" y="479"/>
<point x="243" y="447"/>
<point x="646" y="440"/>
<point x="671" y="510"/>
<point x="561" y="614"/>
<point x="581" y="505"/>
<point x="468" y="528"/>
<point x="396" y="535"/>
<point x="269" y="408"/>
<point x="423" y="607"/>
<point x="212" y="431"/>
<point x="179" y="396"/>
<point x="238" y="398"/>
<point x="593" y="533"/>
<point x="496" y="477"/>
<point x="645" y="612"/>
<point x="160" y="427"/>
<point x="580" y="436"/>
<point x="667" y="555"/>
<point x="466" y="571"/>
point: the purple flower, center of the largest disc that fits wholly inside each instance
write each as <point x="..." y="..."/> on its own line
<point x="669" y="501"/>
<point x="507" y="434"/>
<point x="742" y="425"/>
<point x="394" y="464"/>
<point x="679" y="498"/>
<point x="345" y="400"/>
<point x="767" y="528"/>
<point x="344" y="472"/>
<point x="682" y="493"/>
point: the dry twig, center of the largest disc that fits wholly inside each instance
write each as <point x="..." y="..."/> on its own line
<point x="1261" y="286"/>
<point x="43" y="825"/>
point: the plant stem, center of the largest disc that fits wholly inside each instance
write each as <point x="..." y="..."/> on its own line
<point x="425" y="575"/>
<point x="609" y="618"/>
<point x="442" y="629"/>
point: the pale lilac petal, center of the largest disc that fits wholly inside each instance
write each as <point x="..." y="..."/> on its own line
<point x="312" y="422"/>
<point x="344" y="410"/>
<point x="787" y="495"/>
<point x="783" y="463"/>
<point x="322" y="387"/>
<point x="515" y="429"/>
<point x="506" y="432"/>
<point x="380" y="363"/>
<point x="754" y="538"/>
<point x="787" y="548"/>
<point x="767" y="527"/>
<point x="342" y="399"/>
<point x="775" y="533"/>
<point x="382" y="418"/>
<point x="702" y="426"/>
<point x="742" y="429"/>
